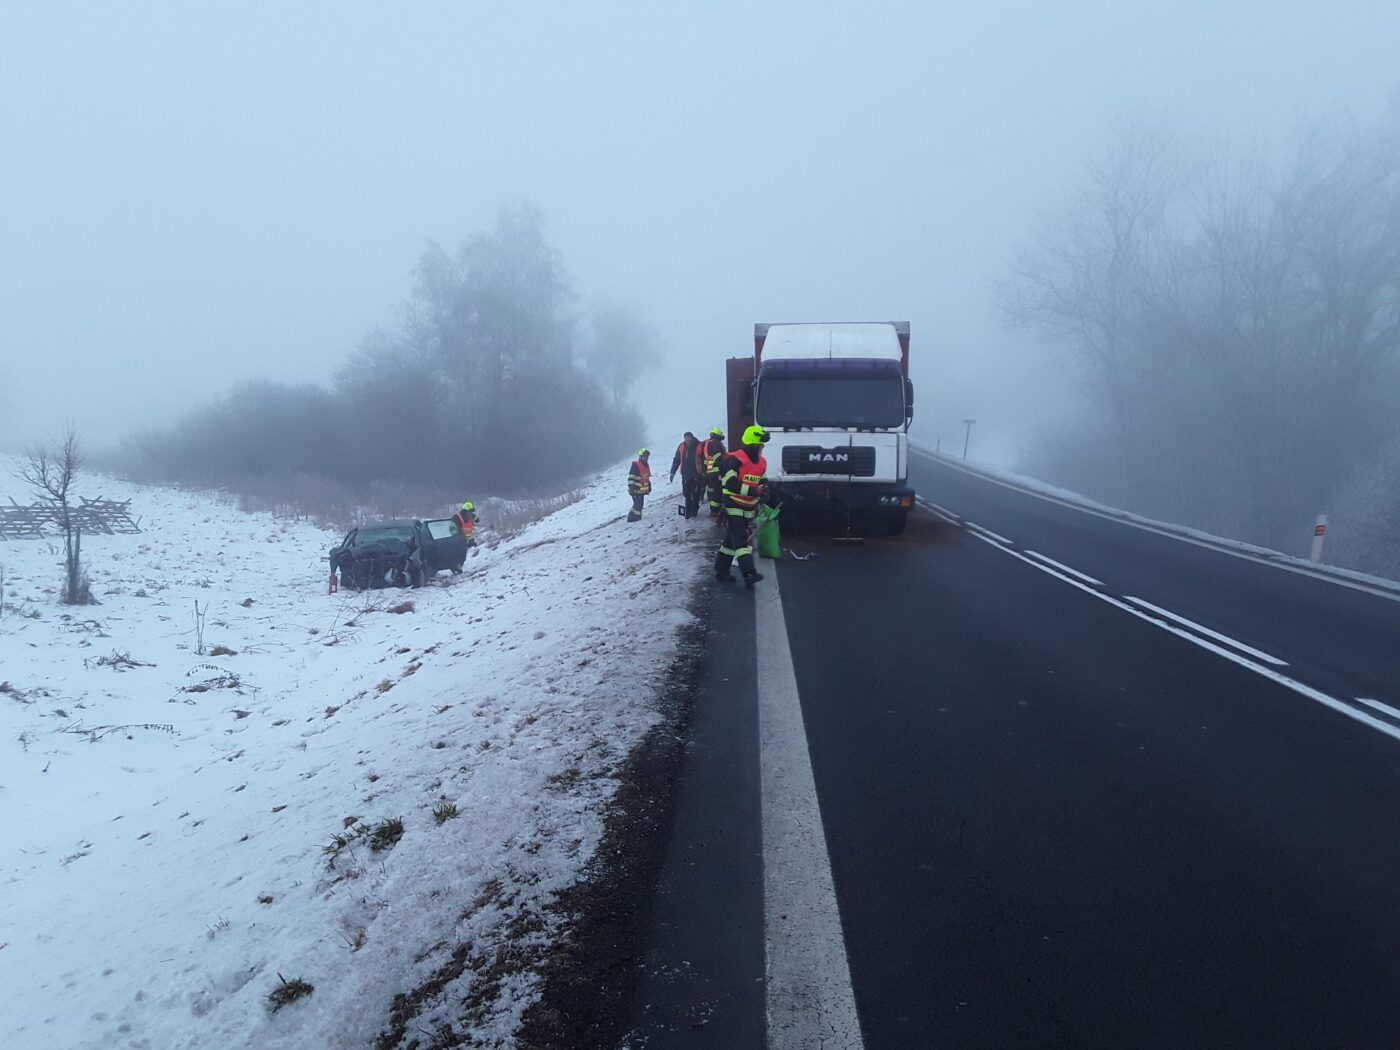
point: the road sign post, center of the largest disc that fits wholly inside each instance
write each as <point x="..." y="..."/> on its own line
<point x="967" y="436"/>
<point x="1319" y="531"/>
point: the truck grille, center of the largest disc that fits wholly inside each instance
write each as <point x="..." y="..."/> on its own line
<point x="855" y="460"/>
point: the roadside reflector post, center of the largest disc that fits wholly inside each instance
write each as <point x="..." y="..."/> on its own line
<point x="1319" y="531"/>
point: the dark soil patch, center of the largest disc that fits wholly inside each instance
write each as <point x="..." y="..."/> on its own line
<point x="590" y="974"/>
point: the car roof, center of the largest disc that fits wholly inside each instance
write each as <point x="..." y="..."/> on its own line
<point x="389" y="523"/>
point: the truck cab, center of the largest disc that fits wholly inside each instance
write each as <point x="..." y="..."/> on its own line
<point x="837" y="402"/>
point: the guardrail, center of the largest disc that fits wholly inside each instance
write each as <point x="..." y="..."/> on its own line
<point x="1238" y="548"/>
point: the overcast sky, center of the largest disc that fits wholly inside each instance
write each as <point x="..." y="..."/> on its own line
<point x="194" y="194"/>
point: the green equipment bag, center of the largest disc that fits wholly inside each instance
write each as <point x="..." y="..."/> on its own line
<point x="767" y="541"/>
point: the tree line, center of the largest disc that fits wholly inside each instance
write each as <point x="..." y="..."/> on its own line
<point x="492" y="381"/>
<point x="1235" y="322"/>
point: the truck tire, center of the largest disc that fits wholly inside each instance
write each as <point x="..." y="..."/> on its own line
<point x="895" y="522"/>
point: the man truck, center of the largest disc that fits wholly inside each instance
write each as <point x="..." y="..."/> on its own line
<point x="837" y="402"/>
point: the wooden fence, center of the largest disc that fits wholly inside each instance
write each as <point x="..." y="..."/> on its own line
<point x="107" y="516"/>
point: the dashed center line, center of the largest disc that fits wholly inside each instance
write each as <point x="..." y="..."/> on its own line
<point x="987" y="533"/>
<point x="1206" y="639"/>
<point x="1378" y="706"/>
<point x="1065" y="568"/>
<point x="1225" y="638"/>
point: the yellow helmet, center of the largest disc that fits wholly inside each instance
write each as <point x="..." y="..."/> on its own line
<point x="755" y="435"/>
<point x="469" y="506"/>
<point x="643" y="452"/>
<point x="716" y="432"/>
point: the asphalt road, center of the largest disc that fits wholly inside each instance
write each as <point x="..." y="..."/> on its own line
<point x="1051" y="820"/>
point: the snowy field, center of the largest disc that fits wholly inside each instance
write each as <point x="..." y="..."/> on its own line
<point x="336" y="790"/>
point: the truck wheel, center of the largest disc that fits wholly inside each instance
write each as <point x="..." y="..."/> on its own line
<point x="894" y="523"/>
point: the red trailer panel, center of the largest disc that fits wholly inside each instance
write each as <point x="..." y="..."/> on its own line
<point x="738" y="386"/>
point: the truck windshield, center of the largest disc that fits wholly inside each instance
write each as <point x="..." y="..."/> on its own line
<point x="831" y="401"/>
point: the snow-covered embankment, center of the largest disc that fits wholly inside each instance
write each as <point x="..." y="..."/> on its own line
<point x="333" y="791"/>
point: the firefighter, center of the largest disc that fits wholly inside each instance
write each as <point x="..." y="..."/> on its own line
<point x="638" y="483"/>
<point x="465" y="520"/>
<point x="711" y="452"/>
<point x="687" y="461"/>
<point x="741" y="478"/>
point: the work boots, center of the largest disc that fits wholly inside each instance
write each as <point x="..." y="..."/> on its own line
<point x="722" y="563"/>
<point x="750" y="578"/>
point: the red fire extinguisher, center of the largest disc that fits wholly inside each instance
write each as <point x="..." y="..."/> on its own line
<point x="334" y="585"/>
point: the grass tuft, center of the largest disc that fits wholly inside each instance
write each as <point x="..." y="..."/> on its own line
<point x="287" y="993"/>
<point x="385" y="834"/>
<point x="445" y="811"/>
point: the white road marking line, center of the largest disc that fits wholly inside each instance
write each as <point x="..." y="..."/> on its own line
<point x="1164" y="530"/>
<point x="985" y="532"/>
<point x="810" y="1000"/>
<point x="1385" y="708"/>
<point x="1298" y="687"/>
<point x="1249" y="650"/>
<point x="1065" y="568"/>
<point x="942" y="512"/>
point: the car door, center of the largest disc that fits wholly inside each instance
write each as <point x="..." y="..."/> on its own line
<point x="340" y="555"/>
<point x="448" y="545"/>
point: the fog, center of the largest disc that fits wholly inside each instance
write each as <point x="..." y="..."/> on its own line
<point x="199" y="195"/>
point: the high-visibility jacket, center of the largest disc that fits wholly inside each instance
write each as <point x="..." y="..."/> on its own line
<point x="466" y="522"/>
<point x="742" y="480"/>
<point x="639" y="478"/>
<point x="712" y="451"/>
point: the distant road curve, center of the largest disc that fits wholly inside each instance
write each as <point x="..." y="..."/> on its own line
<point x="1327" y="634"/>
<point x="1363" y="581"/>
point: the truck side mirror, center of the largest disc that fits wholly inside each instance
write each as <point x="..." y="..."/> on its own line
<point x="746" y="399"/>
<point x="908" y="401"/>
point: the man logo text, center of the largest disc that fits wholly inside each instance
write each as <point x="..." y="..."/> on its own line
<point x="828" y="457"/>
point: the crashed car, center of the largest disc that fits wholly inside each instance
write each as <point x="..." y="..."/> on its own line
<point x="402" y="552"/>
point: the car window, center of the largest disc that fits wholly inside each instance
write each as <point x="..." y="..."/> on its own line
<point x="397" y="532"/>
<point x="442" y="528"/>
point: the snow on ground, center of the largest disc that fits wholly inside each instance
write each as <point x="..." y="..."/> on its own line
<point x="185" y="829"/>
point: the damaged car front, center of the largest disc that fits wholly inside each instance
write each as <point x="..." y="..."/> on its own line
<point x="382" y="554"/>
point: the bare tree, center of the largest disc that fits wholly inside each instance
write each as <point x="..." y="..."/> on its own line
<point x="1087" y="279"/>
<point x="51" y="471"/>
<point x="620" y="348"/>
<point x="1239" y="328"/>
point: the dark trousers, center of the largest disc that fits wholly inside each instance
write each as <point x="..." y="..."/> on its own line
<point x="716" y="497"/>
<point x="693" y="487"/>
<point x="635" y="514"/>
<point x="735" y="546"/>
